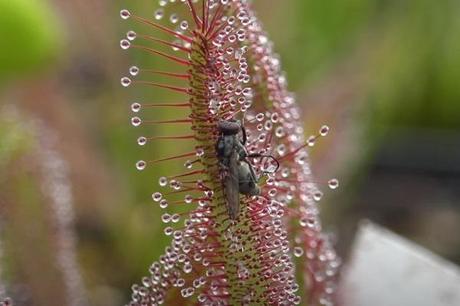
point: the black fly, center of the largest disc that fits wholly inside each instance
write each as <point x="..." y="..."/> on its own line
<point x="238" y="175"/>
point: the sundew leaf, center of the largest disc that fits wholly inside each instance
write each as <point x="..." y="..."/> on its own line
<point x="272" y="250"/>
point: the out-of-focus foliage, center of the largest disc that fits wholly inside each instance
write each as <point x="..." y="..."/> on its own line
<point x="30" y="36"/>
<point x="382" y="74"/>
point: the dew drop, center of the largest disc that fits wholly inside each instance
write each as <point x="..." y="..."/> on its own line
<point x="175" y="218"/>
<point x="168" y="231"/>
<point x="281" y="149"/>
<point x="136" y="121"/>
<point x="140" y="165"/>
<point x="231" y="20"/>
<point x="166" y="218"/>
<point x="131" y="35"/>
<point x="184" y="25"/>
<point x="125" y="44"/>
<point x="275" y="117"/>
<point x="262" y="137"/>
<point x="303" y="222"/>
<point x="285" y="172"/>
<point x="333" y="183"/>
<point x="176" y="44"/>
<point x="202" y="298"/>
<point x="301" y="160"/>
<point x="298" y="251"/>
<point x="324" y="130"/>
<point x="199" y="152"/>
<point x="268" y="126"/>
<point x="176" y="185"/>
<point x="159" y="13"/>
<point x="142" y="141"/>
<point x="279" y="132"/>
<point x="188" y="164"/>
<point x="260" y="117"/>
<point x="317" y="196"/>
<point x="173" y="18"/>
<point x="311" y="141"/>
<point x="163" y="181"/>
<point x="157" y="196"/>
<point x="188" y="268"/>
<point x="188" y="199"/>
<point x="271" y="181"/>
<point x="209" y="193"/>
<point x="136" y="107"/>
<point x="125" y="14"/>
<point x="134" y="70"/>
<point x="163" y="204"/>
<point x="125" y="82"/>
<point x="180" y="282"/>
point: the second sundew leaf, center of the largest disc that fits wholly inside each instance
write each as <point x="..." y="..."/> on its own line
<point x="297" y="194"/>
<point x="226" y="70"/>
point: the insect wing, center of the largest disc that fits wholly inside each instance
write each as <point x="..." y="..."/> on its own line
<point x="231" y="187"/>
<point x="247" y="179"/>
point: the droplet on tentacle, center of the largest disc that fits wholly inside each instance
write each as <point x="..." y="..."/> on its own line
<point x="159" y="13"/>
<point x="173" y="18"/>
<point x="136" y="107"/>
<point x="125" y="44"/>
<point x="134" y="70"/>
<point x="311" y="141"/>
<point x="275" y="117"/>
<point x="324" y="130"/>
<point x="166" y="218"/>
<point x="125" y="14"/>
<point x="157" y="196"/>
<point x="333" y="183"/>
<point x="163" y="181"/>
<point x="163" y="204"/>
<point x="168" y="231"/>
<point x="298" y="251"/>
<point x="188" y="164"/>
<point x="260" y="117"/>
<point x="199" y="152"/>
<point x="125" y="81"/>
<point x="140" y="165"/>
<point x="317" y="196"/>
<point x="279" y="132"/>
<point x="142" y="141"/>
<point x="188" y="199"/>
<point x="136" y="121"/>
<point x="184" y="25"/>
<point x="131" y="35"/>
<point x="175" y="218"/>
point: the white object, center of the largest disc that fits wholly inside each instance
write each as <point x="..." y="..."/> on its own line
<point x="388" y="270"/>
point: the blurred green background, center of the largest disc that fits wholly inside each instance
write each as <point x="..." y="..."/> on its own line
<point x="382" y="74"/>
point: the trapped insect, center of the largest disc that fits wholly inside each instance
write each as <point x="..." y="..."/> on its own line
<point x="238" y="175"/>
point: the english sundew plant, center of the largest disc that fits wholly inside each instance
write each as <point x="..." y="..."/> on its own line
<point x="250" y="234"/>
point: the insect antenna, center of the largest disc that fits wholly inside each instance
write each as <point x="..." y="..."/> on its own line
<point x="257" y="155"/>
